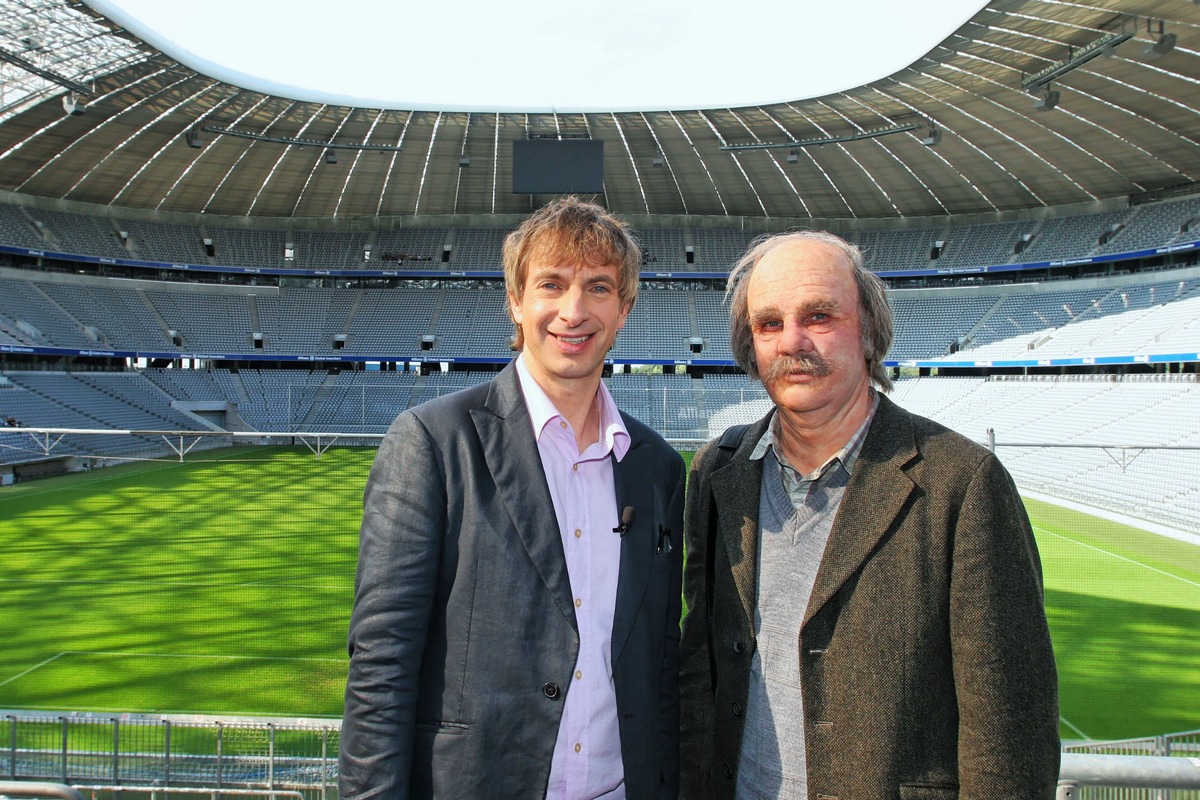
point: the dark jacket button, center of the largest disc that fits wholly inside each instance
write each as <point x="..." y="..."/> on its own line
<point x="727" y="770"/>
<point x="550" y="690"/>
<point x="738" y="647"/>
<point x="737" y="709"/>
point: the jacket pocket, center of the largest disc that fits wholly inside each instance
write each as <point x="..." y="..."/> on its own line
<point x="440" y="728"/>
<point x="924" y="791"/>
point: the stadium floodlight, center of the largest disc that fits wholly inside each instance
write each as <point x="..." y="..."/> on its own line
<point x="933" y="137"/>
<point x="658" y="159"/>
<point x="1076" y="58"/>
<point x="857" y="136"/>
<point x="297" y="141"/>
<point x="330" y="156"/>
<point x="793" y="156"/>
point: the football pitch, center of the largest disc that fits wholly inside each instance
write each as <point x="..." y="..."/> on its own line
<point x="223" y="585"/>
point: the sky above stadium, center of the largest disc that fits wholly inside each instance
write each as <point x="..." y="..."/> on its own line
<point x="543" y="55"/>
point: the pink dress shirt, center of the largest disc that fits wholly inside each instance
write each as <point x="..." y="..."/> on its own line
<point x="587" y="755"/>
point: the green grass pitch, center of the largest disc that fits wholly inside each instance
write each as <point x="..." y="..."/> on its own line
<point x="223" y="585"/>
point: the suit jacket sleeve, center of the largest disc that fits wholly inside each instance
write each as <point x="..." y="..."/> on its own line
<point x="404" y="516"/>
<point x="1004" y="670"/>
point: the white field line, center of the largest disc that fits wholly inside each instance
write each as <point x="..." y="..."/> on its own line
<point x="1067" y="722"/>
<point x="171" y="584"/>
<point x="36" y="667"/>
<point x="121" y="654"/>
<point x="98" y="476"/>
<point x="31" y="669"/>
<point x="84" y="479"/>
<point x="1119" y="558"/>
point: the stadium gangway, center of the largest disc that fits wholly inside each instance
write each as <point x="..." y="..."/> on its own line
<point x="181" y="442"/>
<point x="1125" y="772"/>
<point x="16" y="789"/>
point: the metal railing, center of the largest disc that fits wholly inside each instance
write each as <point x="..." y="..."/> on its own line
<point x="16" y="789"/>
<point x="1150" y="768"/>
<point x="1147" y="773"/>
<point x="297" y="758"/>
<point x="215" y="794"/>
<point x="265" y="756"/>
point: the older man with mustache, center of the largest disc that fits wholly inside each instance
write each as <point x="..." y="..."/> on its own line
<point x="865" y="602"/>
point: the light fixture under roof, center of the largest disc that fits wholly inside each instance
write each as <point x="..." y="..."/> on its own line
<point x="1076" y="58"/>
<point x="856" y="136"/>
<point x="1162" y="45"/>
<point x="1047" y="100"/>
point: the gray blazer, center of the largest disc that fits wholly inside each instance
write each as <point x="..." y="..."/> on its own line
<point x="463" y="635"/>
<point x="924" y="655"/>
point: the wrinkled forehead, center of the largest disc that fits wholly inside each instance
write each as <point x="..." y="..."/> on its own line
<point x="803" y="268"/>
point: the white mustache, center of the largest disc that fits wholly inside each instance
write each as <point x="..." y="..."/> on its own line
<point x="813" y="365"/>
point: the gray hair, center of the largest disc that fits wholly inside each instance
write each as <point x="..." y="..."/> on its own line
<point x="874" y="313"/>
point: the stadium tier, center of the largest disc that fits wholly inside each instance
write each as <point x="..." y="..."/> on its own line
<point x="1103" y="235"/>
<point x="1125" y="315"/>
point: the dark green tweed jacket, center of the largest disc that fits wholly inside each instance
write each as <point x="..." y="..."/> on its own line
<point x="924" y="656"/>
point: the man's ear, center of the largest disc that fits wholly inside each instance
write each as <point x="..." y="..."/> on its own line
<point x="626" y="307"/>
<point x="514" y="308"/>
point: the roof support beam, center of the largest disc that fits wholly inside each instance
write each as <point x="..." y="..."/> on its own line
<point x="53" y="77"/>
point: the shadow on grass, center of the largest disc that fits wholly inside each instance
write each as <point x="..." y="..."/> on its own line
<point x="1125" y="669"/>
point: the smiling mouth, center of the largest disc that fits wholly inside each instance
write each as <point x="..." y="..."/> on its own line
<point x="573" y="339"/>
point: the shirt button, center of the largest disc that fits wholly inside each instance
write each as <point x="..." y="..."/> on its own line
<point x="578" y="674"/>
<point x="578" y="747"/>
<point x="578" y="533"/>
<point x="578" y="602"/>
<point x="575" y="468"/>
<point x="562" y="423"/>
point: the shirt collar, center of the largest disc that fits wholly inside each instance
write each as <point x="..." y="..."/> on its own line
<point x="847" y="455"/>
<point x="614" y="436"/>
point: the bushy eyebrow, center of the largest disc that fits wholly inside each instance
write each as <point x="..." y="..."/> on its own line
<point x="818" y="305"/>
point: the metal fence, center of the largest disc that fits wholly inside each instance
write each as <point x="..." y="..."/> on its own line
<point x="109" y="756"/>
<point x="1132" y="786"/>
<point x="214" y="753"/>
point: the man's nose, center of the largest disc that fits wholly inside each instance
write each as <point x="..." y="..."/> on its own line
<point x="794" y="339"/>
<point x="573" y="308"/>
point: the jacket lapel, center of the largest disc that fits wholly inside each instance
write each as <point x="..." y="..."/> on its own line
<point x="638" y="544"/>
<point x="877" y="492"/>
<point x="738" y="484"/>
<point x="511" y="454"/>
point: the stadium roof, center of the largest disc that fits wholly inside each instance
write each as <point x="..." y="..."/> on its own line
<point x="957" y="132"/>
<point x="541" y="55"/>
